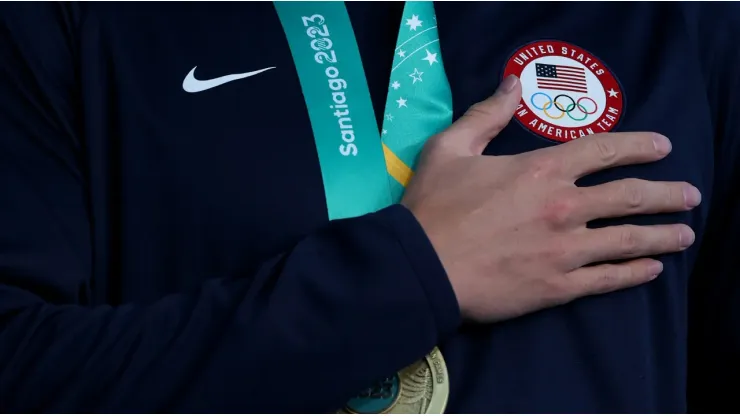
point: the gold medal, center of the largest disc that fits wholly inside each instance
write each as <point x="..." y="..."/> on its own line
<point x="422" y="387"/>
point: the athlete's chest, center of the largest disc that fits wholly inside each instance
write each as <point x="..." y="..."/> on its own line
<point x="203" y="106"/>
<point x="196" y="114"/>
<point x="585" y="69"/>
<point x="204" y="80"/>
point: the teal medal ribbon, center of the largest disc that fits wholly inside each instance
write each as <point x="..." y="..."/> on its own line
<point x="361" y="172"/>
<point x="419" y="101"/>
<point x="363" y="169"/>
<point x="339" y="105"/>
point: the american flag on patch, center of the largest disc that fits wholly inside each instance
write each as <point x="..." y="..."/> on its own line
<point x="561" y="77"/>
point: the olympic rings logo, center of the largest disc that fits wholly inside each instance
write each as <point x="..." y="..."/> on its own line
<point x="564" y="110"/>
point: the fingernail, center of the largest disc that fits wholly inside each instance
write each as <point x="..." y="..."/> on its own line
<point x="655" y="269"/>
<point x="662" y="145"/>
<point x="686" y="238"/>
<point x="508" y="84"/>
<point x="691" y="196"/>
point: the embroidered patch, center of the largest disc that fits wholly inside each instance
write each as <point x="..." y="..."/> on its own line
<point x="567" y="92"/>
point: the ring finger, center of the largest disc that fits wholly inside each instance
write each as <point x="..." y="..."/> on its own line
<point x="629" y="241"/>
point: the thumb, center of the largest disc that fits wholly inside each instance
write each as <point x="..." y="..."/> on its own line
<point x="484" y="120"/>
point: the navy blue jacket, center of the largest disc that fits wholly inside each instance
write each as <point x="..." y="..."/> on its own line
<point x="167" y="251"/>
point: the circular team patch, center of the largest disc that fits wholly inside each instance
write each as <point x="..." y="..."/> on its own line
<point x="567" y="92"/>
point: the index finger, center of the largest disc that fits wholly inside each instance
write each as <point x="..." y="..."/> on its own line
<point x="607" y="150"/>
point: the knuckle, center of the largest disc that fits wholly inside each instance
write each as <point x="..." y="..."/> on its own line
<point x="559" y="210"/>
<point x="629" y="241"/>
<point x="609" y="277"/>
<point x="632" y="193"/>
<point x="605" y="150"/>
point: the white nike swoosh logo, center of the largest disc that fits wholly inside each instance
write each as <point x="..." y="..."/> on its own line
<point x="191" y="84"/>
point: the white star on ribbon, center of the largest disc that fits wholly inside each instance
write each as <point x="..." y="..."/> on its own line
<point x="401" y="102"/>
<point x="414" y="22"/>
<point x="389" y="117"/>
<point x="416" y="75"/>
<point x="431" y="58"/>
<point x="402" y="53"/>
<point x="396" y="85"/>
<point x="612" y="93"/>
<point x="384" y="132"/>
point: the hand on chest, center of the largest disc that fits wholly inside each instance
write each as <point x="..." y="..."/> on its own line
<point x="233" y="106"/>
<point x="584" y="70"/>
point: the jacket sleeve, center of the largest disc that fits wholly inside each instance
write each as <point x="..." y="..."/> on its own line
<point x="353" y="302"/>
<point x="714" y="307"/>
